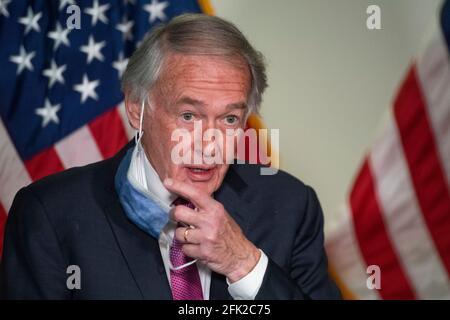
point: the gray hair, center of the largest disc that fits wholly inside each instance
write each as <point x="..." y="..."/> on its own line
<point x="192" y="34"/>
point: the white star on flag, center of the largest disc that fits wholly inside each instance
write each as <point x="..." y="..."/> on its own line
<point x="125" y="28"/>
<point x="97" y="12"/>
<point x="54" y="73"/>
<point x="4" y="7"/>
<point x="87" y="88"/>
<point x="64" y="3"/>
<point x="120" y="64"/>
<point x="156" y="10"/>
<point x="59" y="35"/>
<point x="48" y="113"/>
<point x="92" y="49"/>
<point x="23" y="60"/>
<point x="31" y="21"/>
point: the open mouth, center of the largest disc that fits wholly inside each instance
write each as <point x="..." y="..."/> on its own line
<point x="200" y="173"/>
<point x="199" y="170"/>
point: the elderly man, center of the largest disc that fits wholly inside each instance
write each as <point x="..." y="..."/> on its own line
<point x="143" y="226"/>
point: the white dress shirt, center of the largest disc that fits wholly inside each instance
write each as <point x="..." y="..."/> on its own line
<point x="148" y="181"/>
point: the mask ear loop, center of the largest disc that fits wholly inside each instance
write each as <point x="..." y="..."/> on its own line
<point x="137" y="140"/>
<point x="138" y="135"/>
<point x="171" y="267"/>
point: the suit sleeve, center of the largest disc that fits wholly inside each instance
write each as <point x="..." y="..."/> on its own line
<point x="307" y="276"/>
<point x="32" y="265"/>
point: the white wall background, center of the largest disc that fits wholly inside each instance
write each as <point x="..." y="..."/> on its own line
<point x="331" y="79"/>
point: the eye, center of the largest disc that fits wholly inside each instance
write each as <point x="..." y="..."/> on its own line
<point x="188" y="116"/>
<point x="231" y="119"/>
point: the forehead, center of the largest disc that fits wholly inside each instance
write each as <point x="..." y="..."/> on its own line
<point x="206" y="70"/>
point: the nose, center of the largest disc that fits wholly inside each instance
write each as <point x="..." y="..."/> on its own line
<point x="208" y="142"/>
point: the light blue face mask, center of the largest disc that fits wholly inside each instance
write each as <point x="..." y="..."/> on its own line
<point x="138" y="207"/>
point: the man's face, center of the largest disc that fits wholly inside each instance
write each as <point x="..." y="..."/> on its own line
<point x="193" y="88"/>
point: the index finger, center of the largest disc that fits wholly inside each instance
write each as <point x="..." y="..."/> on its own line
<point x="198" y="197"/>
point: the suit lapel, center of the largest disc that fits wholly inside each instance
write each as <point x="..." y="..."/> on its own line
<point x="230" y="194"/>
<point x="141" y="253"/>
<point x="219" y="288"/>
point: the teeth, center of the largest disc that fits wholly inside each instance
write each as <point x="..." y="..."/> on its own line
<point x="198" y="170"/>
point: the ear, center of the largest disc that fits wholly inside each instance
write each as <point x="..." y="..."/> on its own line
<point x="133" y="111"/>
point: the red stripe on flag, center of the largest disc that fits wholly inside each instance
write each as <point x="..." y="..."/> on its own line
<point x="109" y="133"/>
<point x="2" y="227"/>
<point x="44" y="163"/>
<point x="423" y="159"/>
<point x="376" y="247"/>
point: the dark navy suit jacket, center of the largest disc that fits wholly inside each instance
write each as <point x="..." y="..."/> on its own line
<point x="75" y="218"/>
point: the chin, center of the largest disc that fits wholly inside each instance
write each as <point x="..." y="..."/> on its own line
<point x="207" y="179"/>
<point x="205" y="186"/>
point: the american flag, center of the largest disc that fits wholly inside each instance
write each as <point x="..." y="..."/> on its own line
<point x="60" y="98"/>
<point x="397" y="215"/>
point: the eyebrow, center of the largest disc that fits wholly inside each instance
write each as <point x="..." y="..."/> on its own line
<point x="239" y="105"/>
<point x="191" y="101"/>
<point x="198" y="103"/>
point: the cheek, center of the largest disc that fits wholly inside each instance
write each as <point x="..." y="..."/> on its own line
<point x="157" y="135"/>
<point x="176" y="171"/>
<point x="160" y="134"/>
<point x="220" y="175"/>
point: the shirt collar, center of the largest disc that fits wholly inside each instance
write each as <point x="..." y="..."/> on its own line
<point x="148" y="179"/>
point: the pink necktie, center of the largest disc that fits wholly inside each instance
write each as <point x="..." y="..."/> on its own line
<point x="185" y="283"/>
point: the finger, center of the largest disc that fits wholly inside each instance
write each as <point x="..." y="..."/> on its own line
<point x="188" y="235"/>
<point x="191" y="250"/>
<point x="199" y="198"/>
<point x="185" y="215"/>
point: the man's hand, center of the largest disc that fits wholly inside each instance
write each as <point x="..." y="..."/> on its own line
<point x="216" y="239"/>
